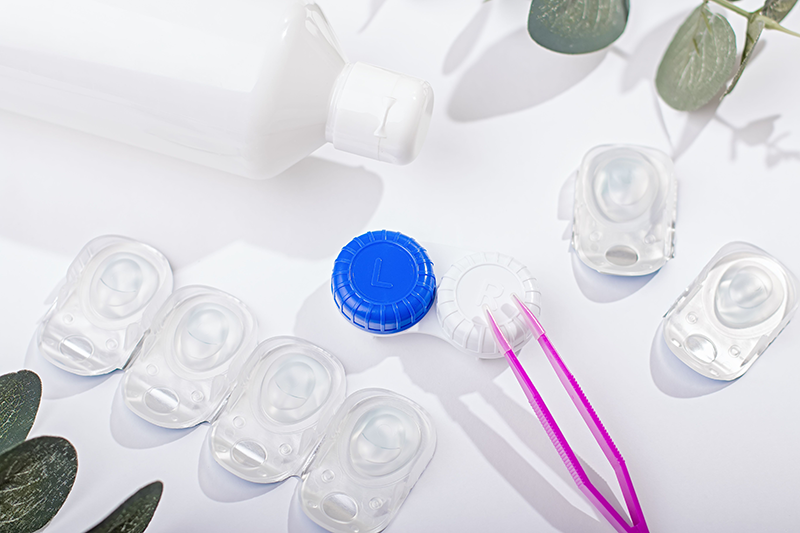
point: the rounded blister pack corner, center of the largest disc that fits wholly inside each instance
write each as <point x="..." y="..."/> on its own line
<point x="94" y="324"/>
<point x="188" y="362"/>
<point x="287" y="393"/>
<point x="376" y="448"/>
<point x="385" y="282"/>
<point x="730" y="314"/>
<point x="625" y="210"/>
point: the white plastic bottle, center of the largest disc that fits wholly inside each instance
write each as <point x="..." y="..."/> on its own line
<point x="246" y="86"/>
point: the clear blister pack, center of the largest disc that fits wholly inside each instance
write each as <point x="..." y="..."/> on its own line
<point x="724" y="320"/>
<point x="625" y="210"/>
<point x="95" y="317"/>
<point x="375" y="450"/>
<point x="385" y="282"/>
<point x="187" y="365"/>
<point x="276" y="409"/>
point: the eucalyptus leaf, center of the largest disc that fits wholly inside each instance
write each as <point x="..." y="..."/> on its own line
<point x="774" y="9"/>
<point x="698" y="61"/>
<point x="20" y="394"/>
<point x="777" y="9"/>
<point x="35" y="479"/>
<point x="135" y="513"/>
<point x="755" y="27"/>
<point x="577" y="26"/>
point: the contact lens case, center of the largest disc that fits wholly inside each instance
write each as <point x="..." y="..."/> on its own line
<point x="384" y="283"/>
<point x="197" y="344"/>
<point x="724" y="320"/>
<point x="94" y="320"/>
<point x="625" y="210"/>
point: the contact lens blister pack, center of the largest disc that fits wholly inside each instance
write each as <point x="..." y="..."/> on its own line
<point x="385" y="282"/>
<point x="188" y="363"/>
<point x="728" y="316"/>
<point x="277" y="409"/>
<point x="94" y="321"/>
<point x="625" y="209"/>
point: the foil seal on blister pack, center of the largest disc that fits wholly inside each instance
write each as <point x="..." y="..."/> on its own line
<point x="625" y="209"/>
<point x="730" y="314"/>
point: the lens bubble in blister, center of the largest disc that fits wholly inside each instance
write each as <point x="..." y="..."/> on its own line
<point x="747" y="296"/>
<point x="293" y="393"/>
<point x="382" y="441"/>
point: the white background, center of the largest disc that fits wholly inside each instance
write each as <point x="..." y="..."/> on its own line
<point x="511" y="122"/>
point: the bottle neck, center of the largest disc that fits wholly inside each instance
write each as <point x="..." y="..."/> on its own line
<point x="378" y="113"/>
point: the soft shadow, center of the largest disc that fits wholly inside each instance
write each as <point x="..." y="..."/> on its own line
<point x="673" y="377"/>
<point x="605" y="288"/>
<point x="133" y="432"/>
<point x="466" y="40"/>
<point x="222" y="486"/>
<point x="425" y="360"/>
<point x="757" y="133"/>
<point x="57" y="383"/>
<point x="374" y="7"/>
<point x="298" y="521"/>
<point x="305" y="212"/>
<point x="643" y="61"/>
<point x="515" y="74"/>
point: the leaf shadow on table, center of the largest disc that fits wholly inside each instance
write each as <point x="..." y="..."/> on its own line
<point x="467" y="39"/>
<point x="597" y="287"/>
<point x="425" y="360"/>
<point x="304" y="212"/>
<point x="131" y="431"/>
<point x="57" y="383"/>
<point x="223" y="486"/>
<point x="673" y="377"/>
<point x="515" y="74"/>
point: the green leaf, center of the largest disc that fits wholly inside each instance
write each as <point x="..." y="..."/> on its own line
<point x="20" y="394"/>
<point x="773" y="9"/>
<point x="754" y="28"/>
<point x="698" y="61"/>
<point x="577" y="26"/>
<point x="134" y="514"/>
<point x="35" y="479"/>
<point x="777" y="9"/>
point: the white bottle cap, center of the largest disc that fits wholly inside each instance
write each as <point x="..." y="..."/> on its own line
<point x="379" y="114"/>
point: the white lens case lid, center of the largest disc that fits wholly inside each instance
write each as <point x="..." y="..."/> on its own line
<point x="625" y="210"/>
<point x="485" y="279"/>
<point x="187" y="366"/>
<point x="93" y="323"/>
<point x="724" y="320"/>
<point x="287" y="393"/>
<point x="376" y="448"/>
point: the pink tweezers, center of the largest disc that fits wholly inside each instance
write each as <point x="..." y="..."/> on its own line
<point x="589" y="416"/>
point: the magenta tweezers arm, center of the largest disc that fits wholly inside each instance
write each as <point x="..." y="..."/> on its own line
<point x="602" y="437"/>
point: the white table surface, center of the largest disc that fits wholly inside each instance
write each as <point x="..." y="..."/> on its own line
<point x="510" y="124"/>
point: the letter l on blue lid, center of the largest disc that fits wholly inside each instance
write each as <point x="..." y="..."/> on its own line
<point x="383" y="282"/>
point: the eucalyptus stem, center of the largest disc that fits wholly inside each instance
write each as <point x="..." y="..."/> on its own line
<point x="733" y="7"/>
<point x="772" y="25"/>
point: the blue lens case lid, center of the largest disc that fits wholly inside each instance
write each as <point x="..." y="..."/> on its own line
<point x="383" y="282"/>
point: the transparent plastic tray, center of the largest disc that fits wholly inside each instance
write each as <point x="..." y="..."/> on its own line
<point x="730" y="314"/>
<point x="625" y="209"/>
